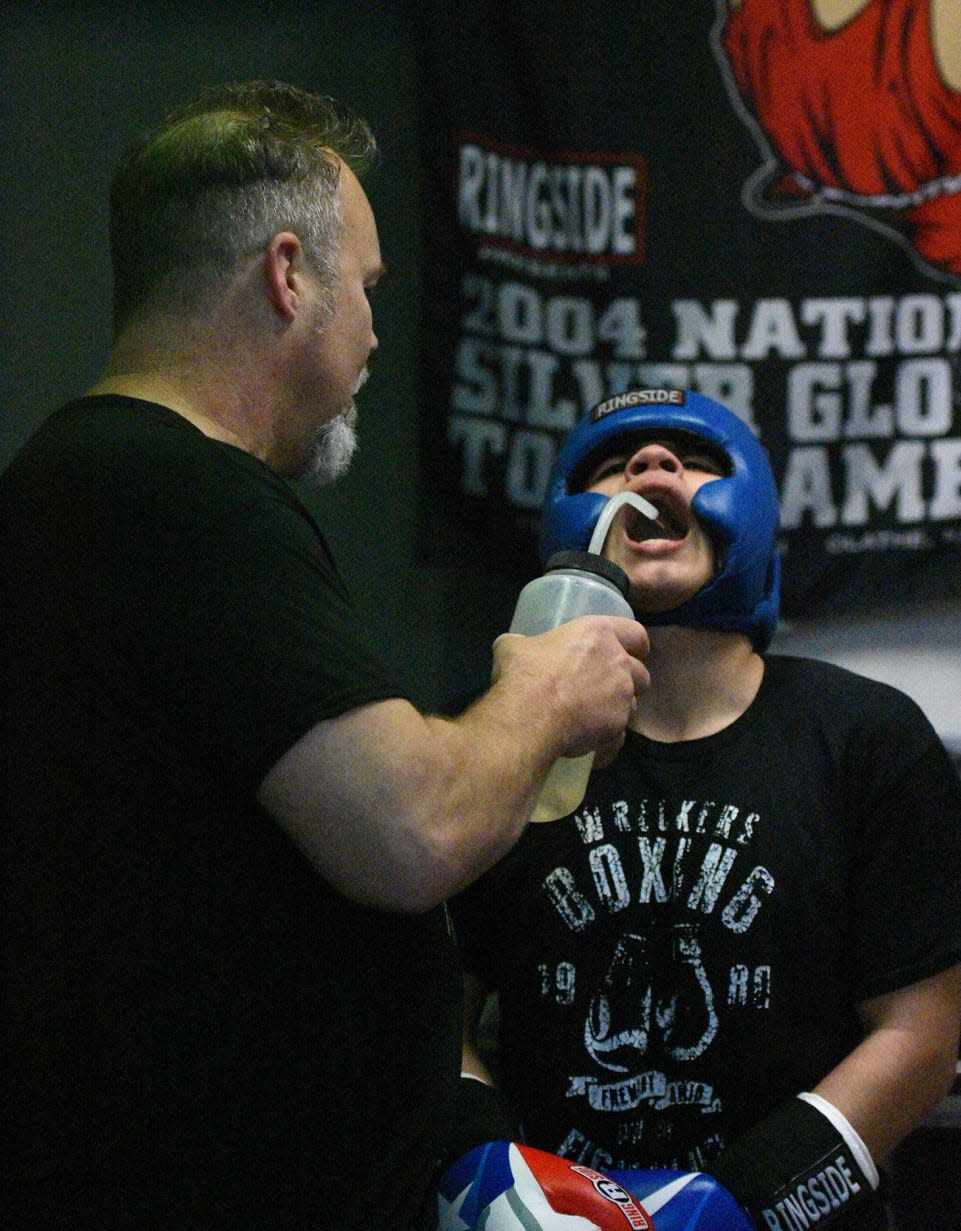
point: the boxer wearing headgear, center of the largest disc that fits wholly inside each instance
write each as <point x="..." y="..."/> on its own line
<point x="705" y="966"/>
<point x="739" y="510"/>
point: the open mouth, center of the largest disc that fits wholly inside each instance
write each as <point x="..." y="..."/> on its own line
<point x="671" y="522"/>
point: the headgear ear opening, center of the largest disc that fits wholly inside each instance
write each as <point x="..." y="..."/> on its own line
<point x="739" y="510"/>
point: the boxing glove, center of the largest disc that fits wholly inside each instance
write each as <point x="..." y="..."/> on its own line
<point x="504" y="1186"/>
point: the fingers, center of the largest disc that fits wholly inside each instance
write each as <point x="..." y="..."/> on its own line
<point x="642" y="681"/>
<point x="607" y="752"/>
<point x="583" y="678"/>
<point x="636" y="643"/>
<point x="630" y="633"/>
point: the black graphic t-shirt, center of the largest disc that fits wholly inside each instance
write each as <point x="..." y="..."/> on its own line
<point x="687" y="950"/>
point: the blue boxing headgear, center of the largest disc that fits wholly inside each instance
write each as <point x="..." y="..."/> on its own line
<point x="739" y="511"/>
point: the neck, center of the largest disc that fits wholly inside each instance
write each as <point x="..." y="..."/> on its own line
<point x="166" y="392"/>
<point x="208" y="400"/>
<point x="701" y="681"/>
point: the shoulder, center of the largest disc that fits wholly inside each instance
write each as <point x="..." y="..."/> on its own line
<point x="100" y="432"/>
<point x="147" y="457"/>
<point x="822" y="684"/>
<point x="858" y="717"/>
<point x="117" y="470"/>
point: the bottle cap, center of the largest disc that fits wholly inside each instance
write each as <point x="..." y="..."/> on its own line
<point x="590" y="562"/>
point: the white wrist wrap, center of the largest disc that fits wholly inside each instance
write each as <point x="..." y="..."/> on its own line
<point x="860" y="1151"/>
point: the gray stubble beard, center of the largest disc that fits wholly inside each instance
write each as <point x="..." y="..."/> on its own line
<point x="335" y="444"/>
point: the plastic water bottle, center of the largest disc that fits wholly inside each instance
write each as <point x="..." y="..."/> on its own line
<point x="576" y="583"/>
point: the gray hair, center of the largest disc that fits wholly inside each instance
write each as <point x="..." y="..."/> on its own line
<point x="217" y="179"/>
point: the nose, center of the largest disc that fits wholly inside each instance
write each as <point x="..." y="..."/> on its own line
<point x="372" y="342"/>
<point x="652" y="456"/>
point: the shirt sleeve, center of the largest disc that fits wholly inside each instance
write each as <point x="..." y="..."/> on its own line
<point x="272" y="641"/>
<point x="906" y="870"/>
<point x="475" y="913"/>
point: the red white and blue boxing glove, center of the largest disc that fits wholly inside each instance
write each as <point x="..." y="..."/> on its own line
<point x="503" y="1186"/>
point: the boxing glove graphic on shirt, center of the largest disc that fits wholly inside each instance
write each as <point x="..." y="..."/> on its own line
<point x="629" y="1005"/>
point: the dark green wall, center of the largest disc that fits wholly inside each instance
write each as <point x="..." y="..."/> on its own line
<point x="79" y="81"/>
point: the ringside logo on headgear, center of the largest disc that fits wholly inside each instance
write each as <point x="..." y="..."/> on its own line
<point x="638" y="397"/>
<point x="739" y="510"/>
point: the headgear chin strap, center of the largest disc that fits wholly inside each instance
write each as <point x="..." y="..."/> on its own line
<point x="739" y="510"/>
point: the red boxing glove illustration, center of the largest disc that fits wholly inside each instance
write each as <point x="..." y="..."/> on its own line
<point x="860" y="103"/>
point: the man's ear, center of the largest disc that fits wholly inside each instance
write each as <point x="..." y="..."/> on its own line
<point x="282" y="265"/>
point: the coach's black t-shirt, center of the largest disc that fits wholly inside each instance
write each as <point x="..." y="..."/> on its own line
<point x="198" y="1030"/>
<point x="686" y="951"/>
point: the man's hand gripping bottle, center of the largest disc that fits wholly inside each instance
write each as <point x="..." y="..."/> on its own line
<point x="575" y="583"/>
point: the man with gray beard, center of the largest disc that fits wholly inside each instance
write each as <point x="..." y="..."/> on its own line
<point x="231" y="993"/>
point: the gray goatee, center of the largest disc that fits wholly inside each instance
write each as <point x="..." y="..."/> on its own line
<point x="335" y="444"/>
